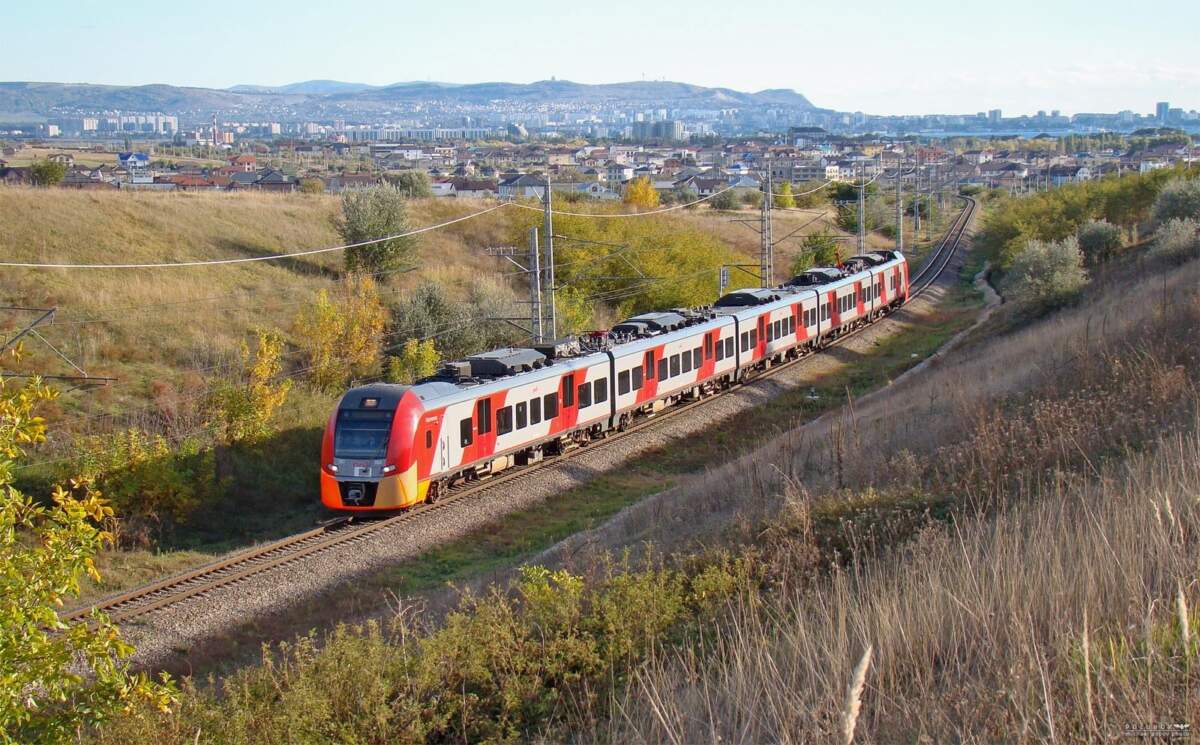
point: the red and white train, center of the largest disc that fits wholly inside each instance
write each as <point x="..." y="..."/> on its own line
<point x="389" y="446"/>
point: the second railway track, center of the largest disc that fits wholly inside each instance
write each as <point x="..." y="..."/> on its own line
<point x="240" y="565"/>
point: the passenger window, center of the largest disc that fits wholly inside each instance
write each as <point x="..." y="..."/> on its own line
<point x="753" y="338"/>
<point x="720" y="350"/>
<point x="522" y="415"/>
<point x="662" y="369"/>
<point x="623" y="382"/>
<point x="729" y="347"/>
<point x="601" y="390"/>
<point x="504" y="420"/>
<point x="464" y="432"/>
<point x="585" y="395"/>
<point x="535" y="410"/>
<point x="770" y="331"/>
<point x="745" y="340"/>
<point x="686" y="362"/>
<point x="674" y="365"/>
<point x="550" y="405"/>
<point x="637" y="378"/>
<point x="697" y="358"/>
<point x="483" y="416"/>
<point x="568" y="392"/>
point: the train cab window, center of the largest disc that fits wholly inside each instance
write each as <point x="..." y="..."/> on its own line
<point x="637" y="378"/>
<point x="601" y="390"/>
<point x="708" y="347"/>
<point x="729" y="350"/>
<point x="568" y="391"/>
<point x="483" y="416"/>
<point x="685" y="362"/>
<point x="674" y="365"/>
<point x="720" y="350"/>
<point x="464" y="432"/>
<point x="622" y="382"/>
<point x="648" y="366"/>
<point x="662" y="369"/>
<point x="522" y="415"/>
<point x="550" y="405"/>
<point x="697" y="358"/>
<point x="585" y="395"/>
<point x="504" y="420"/>
<point x="535" y="410"/>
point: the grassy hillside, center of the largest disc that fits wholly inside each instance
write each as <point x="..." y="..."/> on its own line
<point x="150" y="325"/>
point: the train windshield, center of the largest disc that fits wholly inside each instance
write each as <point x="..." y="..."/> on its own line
<point x="362" y="434"/>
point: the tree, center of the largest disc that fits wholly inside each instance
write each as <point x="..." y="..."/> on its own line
<point x="725" y="200"/>
<point x="752" y="198"/>
<point x="1046" y="272"/>
<point x="47" y="173"/>
<point x="1179" y="200"/>
<point x="783" y="198"/>
<point x="412" y="184"/>
<point x="340" y="336"/>
<point x="1099" y="241"/>
<point x="58" y="677"/>
<point x="1178" y="237"/>
<point x="243" y="410"/>
<point x="312" y="186"/>
<point x="641" y="193"/>
<point x="816" y="250"/>
<point x="417" y="359"/>
<point x="372" y="214"/>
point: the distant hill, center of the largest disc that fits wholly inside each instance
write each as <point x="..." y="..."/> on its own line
<point x="312" y="97"/>
<point x="314" y="87"/>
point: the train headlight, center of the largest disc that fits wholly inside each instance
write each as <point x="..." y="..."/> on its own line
<point x="332" y="467"/>
<point x="388" y="469"/>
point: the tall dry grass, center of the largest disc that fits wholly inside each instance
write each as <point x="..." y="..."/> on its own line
<point x="1060" y="621"/>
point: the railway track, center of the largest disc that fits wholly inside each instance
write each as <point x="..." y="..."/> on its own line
<point x="241" y="565"/>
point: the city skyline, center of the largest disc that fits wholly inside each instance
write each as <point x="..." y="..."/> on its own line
<point x="951" y="59"/>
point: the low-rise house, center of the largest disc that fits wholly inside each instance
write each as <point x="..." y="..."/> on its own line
<point x="272" y="180"/>
<point x="469" y="188"/>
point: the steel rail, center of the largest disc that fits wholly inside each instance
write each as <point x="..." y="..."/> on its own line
<point x="341" y="531"/>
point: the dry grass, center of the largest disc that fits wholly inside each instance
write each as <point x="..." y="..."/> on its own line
<point x="979" y="631"/>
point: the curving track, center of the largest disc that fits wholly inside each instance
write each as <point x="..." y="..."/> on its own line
<point x="240" y="565"/>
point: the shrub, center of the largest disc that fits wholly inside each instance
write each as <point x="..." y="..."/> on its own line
<point x="1179" y="200"/>
<point x="340" y="335"/>
<point x="47" y="173"/>
<point x="1099" y="241"/>
<point x="1178" y="237"/>
<point x="312" y="186"/>
<point x="371" y="214"/>
<point x="242" y="410"/>
<point x="725" y="200"/>
<point x="417" y="359"/>
<point x="641" y="193"/>
<point x="412" y="184"/>
<point x="752" y="198"/>
<point x="1046" y="272"/>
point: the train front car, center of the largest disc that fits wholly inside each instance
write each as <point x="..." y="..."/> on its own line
<point x="367" y="456"/>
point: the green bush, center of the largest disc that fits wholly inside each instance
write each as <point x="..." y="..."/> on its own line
<point x="542" y="658"/>
<point x="1179" y="200"/>
<point x="1046" y="273"/>
<point x="1099" y="241"/>
<point x="1178" y="238"/>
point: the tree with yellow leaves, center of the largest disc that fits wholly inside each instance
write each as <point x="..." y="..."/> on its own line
<point x="243" y="410"/>
<point x="58" y="677"/>
<point x="641" y="193"/>
<point x="340" y="334"/>
<point x="417" y="359"/>
<point x="783" y="196"/>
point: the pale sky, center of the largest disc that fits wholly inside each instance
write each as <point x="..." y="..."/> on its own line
<point x="936" y="56"/>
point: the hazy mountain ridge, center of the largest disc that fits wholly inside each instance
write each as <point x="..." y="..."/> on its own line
<point x="45" y="99"/>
